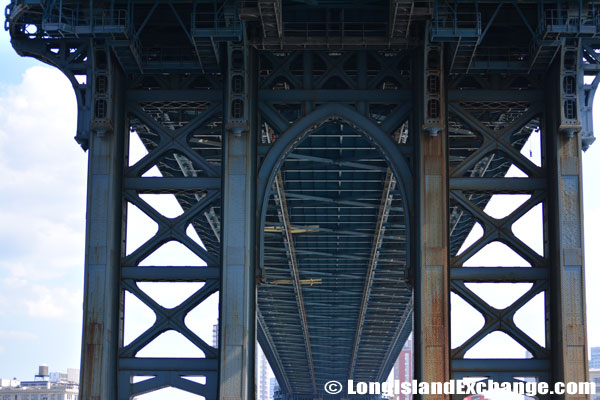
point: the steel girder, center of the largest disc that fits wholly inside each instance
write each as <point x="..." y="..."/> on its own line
<point x="237" y="314"/>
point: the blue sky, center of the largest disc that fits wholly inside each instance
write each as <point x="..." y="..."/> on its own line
<point x="42" y="214"/>
<point x="42" y="209"/>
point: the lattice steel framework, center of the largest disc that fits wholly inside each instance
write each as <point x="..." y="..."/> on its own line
<point x="329" y="162"/>
<point x="183" y="139"/>
<point x="495" y="132"/>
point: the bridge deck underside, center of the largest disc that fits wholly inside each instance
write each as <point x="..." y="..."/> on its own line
<point x="333" y="186"/>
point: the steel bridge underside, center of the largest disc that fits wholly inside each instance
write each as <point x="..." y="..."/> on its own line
<point x="336" y="199"/>
<point x="339" y="244"/>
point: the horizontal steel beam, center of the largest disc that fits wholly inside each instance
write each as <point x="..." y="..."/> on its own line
<point x="160" y="184"/>
<point x="184" y="366"/>
<point x="333" y="95"/>
<point x="500" y="365"/>
<point x="171" y="274"/>
<point x="331" y="43"/>
<point x="593" y="68"/>
<point x="499" y="274"/>
<point x="174" y="95"/>
<point x="498" y="185"/>
<point x="484" y="96"/>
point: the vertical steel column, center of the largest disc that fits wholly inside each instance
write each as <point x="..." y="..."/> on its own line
<point x="238" y="291"/>
<point x="104" y="234"/>
<point x="431" y="288"/>
<point x="569" y="339"/>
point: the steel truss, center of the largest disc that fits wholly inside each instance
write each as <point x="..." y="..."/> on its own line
<point x="183" y="140"/>
<point x="486" y="133"/>
<point x="341" y="180"/>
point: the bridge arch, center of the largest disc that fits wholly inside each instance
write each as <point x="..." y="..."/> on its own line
<point x="301" y="128"/>
<point x="395" y="160"/>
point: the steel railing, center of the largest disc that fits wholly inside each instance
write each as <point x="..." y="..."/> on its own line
<point x="456" y="24"/>
<point x="216" y="20"/>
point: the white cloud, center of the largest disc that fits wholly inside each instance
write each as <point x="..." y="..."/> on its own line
<point x="42" y="207"/>
<point x="54" y="303"/>
<point x="43" y="178"/>
<point x="17" y="335"/>
<point x="37" y="301"/>
<point x="40" y="248"/>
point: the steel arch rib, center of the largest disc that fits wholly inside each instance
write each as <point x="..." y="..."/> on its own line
<point x="296" y="132"/>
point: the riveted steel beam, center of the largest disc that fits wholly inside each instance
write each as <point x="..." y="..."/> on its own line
<point x="162" y="185"/>
<point x="332" y="95"/>
<point x="382" y="217"/>
<point x="568" y="304"/>
<point x="237" y="320"/>
<point x="293" y="265"/>
<point x="431" y="289"/>
<point x="102" y="331"/>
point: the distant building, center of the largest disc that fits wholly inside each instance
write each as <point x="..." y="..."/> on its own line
<point x="9" y="383"/>
<point x="278" y="394"/>
<point x="403" y="367"/>
<point x="595" y="377"/>
<point x="595" y="360"/>
<point x="215" y="335"/>
<point x="71" y="376"/>
<point x="262" y="388"/>
<point x="273" y="387"/>
<point x="45" y="386"/>
<point x="528" y="379"/>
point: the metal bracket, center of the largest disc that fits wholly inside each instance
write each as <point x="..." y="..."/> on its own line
<point x="432" y="88"/>
<point x="570" y="123"/>
<point x="102" y="91"/>
<point x="237" y="86"/>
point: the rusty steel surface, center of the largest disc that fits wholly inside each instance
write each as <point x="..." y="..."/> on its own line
<point x="433" y="339"/>
<point x="569" y="302"/>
